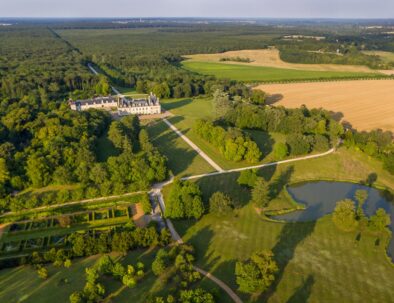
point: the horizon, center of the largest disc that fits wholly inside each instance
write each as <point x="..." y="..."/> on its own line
<point x="261" y="9"/>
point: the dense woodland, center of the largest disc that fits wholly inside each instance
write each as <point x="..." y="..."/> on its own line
<point x="43" y="142"/>
<point x="41" y="66"/>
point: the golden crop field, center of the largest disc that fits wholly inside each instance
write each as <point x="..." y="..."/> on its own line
<point x="366" y="105"/>
<point x="270" y="58"/>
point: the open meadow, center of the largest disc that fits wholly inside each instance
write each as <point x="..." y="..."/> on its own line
<point x="366" y="105"/>
<point x="21" y="284"/>
<point x="316" y="259"/>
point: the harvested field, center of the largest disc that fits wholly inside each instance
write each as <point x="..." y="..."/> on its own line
<point x="366" y="105"/>
<point x="270" y="58"/>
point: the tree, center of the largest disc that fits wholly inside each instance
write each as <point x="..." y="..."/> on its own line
<point x="221" y="103"/>
<point x="161" y="262"/>
<point x="146" y="205"/>
<point x="260" y="193"/>
<point x="42" y="272"/>
<point x="258" y="97"/>
<point x="380" y="220"/>
<point x="361" y="196"/>
<point x="280" y="151"/>
<point x="184" y="201"/>
<point x="129" y="280"/>
<point x="4" y="173"/>
<point x="298" y="144"/>
<point x="67" y="263"/>
<point x="344" y="216"/>
<point x="257" y="273"/>
<point x="105" y="265"/>
<point x="219" y="203"/>
<point x="247" y="177"/>
<point x="76" y="297"/>
<point x="118" y="270"/>
<point x="143" y="139"/>
<point x="196" y="296"/>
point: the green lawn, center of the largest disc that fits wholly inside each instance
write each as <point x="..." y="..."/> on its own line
<point x="187" y="111"/>
<point x="260" y="73"/>
<point x="22" y="284"/>
<point x="182" y="159"/>
<point x="317" y="262"/>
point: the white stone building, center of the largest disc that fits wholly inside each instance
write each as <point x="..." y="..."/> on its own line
<point x="124" y="106"/>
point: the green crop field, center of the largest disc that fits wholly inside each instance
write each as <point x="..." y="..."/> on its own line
<point x="260" y="73"/>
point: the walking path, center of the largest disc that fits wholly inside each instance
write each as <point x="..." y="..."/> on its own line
<point x="157" y="192"/>
<point x="260" y="165"/>
<point x="194" y="146"/>
<point x="96" y="73"/>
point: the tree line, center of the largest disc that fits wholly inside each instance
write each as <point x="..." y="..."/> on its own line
<point x="231" y="143"/>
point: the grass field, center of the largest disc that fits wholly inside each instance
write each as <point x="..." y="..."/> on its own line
<point x="262" y="73"/>
<point x="271" y="58"/>
<point x="182" y="159"/>
<point x="366" y="105"/>
<point x="317" y="262"/>
<point x="22" y="284"/>
<point x="187" y="111"/>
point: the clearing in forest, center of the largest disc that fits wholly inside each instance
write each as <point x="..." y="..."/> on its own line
<point x="366" y="105"/>
<point x="271" y="58"/>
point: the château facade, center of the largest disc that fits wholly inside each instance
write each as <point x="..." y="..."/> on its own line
<point x="124" y="106"/>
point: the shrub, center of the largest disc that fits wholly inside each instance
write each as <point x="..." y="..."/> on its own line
<point x="219" y="203"/>
<point x="344" y="216"/>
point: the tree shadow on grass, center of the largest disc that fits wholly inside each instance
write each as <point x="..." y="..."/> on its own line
<point x="226" y="184"/>
<point x="209" y="261"/>
<point x="290" y="237"/>
<point x="302" y="294"/>
<point x="280" y="182"/>
<point x="179" y="159"/>
<point x="263" y="139"/>
<point x="267" y="172"/>
<point x="176" y="104"/>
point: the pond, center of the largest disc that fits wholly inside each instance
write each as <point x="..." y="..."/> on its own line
<point x="320" y="199"/>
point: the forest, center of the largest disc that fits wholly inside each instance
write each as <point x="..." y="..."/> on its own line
<point x="43" y="142"/>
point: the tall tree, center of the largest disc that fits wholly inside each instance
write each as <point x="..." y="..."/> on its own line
<point x="260" y="193"/>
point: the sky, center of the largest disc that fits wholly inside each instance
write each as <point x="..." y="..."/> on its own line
<point x="199" y="8"/>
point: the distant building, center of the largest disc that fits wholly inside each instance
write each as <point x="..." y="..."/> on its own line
<point x="124" y="106"/>
<point x="148" y="106"/>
